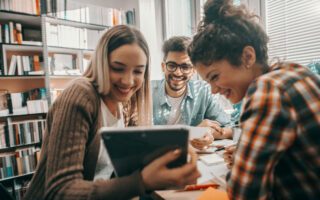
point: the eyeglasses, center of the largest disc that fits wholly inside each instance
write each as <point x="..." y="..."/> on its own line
<point x="185" y="68"/>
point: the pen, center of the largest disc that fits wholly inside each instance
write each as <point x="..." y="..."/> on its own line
<point x="236" y="124"/>
<point x="200" y="187"/>
<point x="219" y="149"/>
<point x="224" y="147"/>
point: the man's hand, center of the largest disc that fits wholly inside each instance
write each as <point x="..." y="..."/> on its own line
<point x="216" y="130"/>
<point x="202" y="143"/>
<point x="156" y="175"/>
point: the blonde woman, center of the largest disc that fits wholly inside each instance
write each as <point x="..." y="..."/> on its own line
<point x="74" y="163"/>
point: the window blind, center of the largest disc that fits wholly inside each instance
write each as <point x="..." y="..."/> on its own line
<point x="178" y="18"/>
<point x="293" y="27"/>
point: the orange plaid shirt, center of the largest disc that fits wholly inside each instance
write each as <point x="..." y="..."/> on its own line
<point x="278" y="155"/>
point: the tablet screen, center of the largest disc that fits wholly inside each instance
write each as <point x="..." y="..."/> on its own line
<point x="133" y="148"/>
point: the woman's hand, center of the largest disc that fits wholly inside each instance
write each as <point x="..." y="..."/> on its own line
<point x="156" y="175"/>
<point x="202" y="143"/>
<point x="228" y="155"/>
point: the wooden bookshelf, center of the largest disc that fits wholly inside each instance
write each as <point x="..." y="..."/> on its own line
<point x="24" y="18"/>
<point x="18" y="84"/>
<point x="28" y="175"/>
<point x="41" y="47"/>
<point x="58" y="21"/>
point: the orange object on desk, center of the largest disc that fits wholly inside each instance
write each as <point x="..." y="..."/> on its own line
<point x="212" y="193"/>
<point x="200" y="187"/>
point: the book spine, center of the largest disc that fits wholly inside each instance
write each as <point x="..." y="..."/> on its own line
<point x="11" y="31"/>
<point x="43" y="7"/>
<point x="37" y="7"/>
<point x="7" y="132"/>
<point x="6" y="33"/>
<point x="9" y="102"/>
<point x="2" y="67"/>
<point x="0" y="33"/>
<point x="19" y="33"/>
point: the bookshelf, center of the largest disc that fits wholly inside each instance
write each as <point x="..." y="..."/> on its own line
<point x="34" y="78"/>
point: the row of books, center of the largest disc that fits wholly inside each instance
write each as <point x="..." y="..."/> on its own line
<point x="68" y="36"/>
<point x="20" y="188"/>
<point x="88" y="13"/>
<point x="29" y="102"/>
<point x="25" y="65"/>
<point x="13" y="33"/>
<point x="64" y="64"/>
<point x="21" y="133"/>
<point x="22" y="161"/>
<point x="24" y="6"/>
<point x="71" y="10"/>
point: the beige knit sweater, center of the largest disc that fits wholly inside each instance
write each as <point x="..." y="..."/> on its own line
<point x="70" y="149"/>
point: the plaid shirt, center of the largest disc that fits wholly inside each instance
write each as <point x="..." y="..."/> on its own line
<point x="278" y="155"/>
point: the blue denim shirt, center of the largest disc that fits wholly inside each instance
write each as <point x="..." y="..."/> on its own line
<point x="199" y="104"/>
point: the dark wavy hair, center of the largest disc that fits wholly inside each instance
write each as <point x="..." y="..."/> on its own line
<point x="177" y="43"/>
<point x="223" y="33"/>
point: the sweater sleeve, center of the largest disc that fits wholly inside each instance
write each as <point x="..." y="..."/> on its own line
<point x="69" y="126"/>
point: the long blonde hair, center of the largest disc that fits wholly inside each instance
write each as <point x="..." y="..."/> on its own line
<point x="98" y="68"/>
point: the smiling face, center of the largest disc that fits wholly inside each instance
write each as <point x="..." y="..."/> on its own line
<point x="127" y="68"/>
<point x="226" y="79"/>
<point x="176" y="82"/>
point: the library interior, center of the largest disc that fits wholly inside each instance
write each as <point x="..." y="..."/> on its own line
<point x="159" y="99"/>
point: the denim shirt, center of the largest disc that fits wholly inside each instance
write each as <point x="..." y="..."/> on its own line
<point x="198" y="104"/>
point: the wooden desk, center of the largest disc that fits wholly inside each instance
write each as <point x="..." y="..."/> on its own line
<point x="209" y="175"/>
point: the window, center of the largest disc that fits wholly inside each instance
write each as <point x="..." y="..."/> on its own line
<point x="293" y="28"/>
<point x="236" y="2"/>
<point x="178" y="18"/>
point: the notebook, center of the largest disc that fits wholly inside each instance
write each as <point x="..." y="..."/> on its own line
<point x="212" y="159"/>
<point x="133" y="148"/>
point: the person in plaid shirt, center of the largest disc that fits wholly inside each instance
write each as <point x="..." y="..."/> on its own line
<point x="278" y="155"/>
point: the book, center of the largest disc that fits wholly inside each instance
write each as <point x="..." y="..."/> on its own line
<point x="62" y="62"/>
<point x="0" y="33"/>
<point x="4" y="111"/>
<point x="19" y="33"/>
<point x="19" y="65"/>
<point x="11" y="32"/>
<point x="130" y="17"/>
<point x="13" y="65"/>
<point x="38" y="43"/>
<point x="6" y="33"/>
<point x="36" y="63"/>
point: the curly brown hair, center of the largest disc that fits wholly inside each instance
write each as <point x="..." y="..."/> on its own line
<point x="223" y="33"/>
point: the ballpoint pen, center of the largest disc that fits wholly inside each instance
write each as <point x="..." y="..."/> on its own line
<point x="236" y="124"/>
<point x="224" y="147"/>
<point x="200" y="187"/>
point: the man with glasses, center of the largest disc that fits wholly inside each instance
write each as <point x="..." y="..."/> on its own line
<point x="179" y="100"/>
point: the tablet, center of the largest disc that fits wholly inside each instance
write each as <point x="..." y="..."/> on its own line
<point x="133" y="148"/>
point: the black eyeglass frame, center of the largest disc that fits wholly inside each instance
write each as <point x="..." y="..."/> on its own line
<point x="182" y="67"/>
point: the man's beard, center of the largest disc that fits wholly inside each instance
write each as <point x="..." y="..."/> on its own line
<point x="182" y="87"/>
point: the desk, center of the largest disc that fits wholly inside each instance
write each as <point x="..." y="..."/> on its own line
<point x="209" y="174"/>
